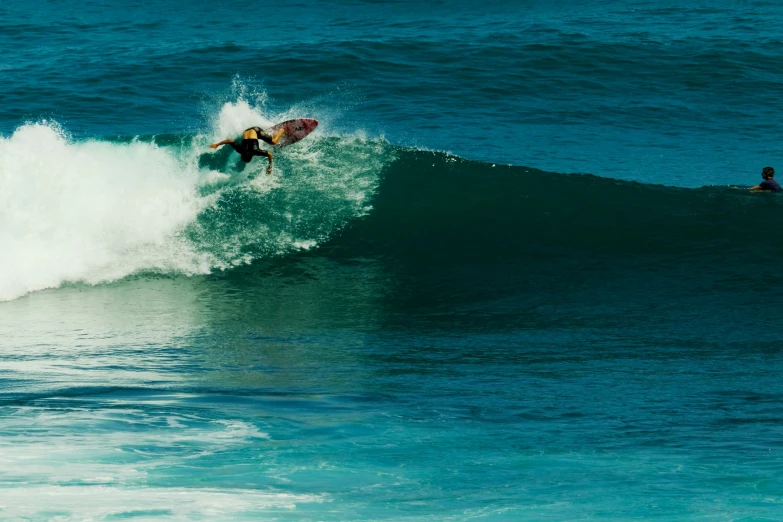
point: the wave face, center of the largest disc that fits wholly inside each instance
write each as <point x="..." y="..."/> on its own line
<point x="447" y="207"/>
<point x="98" y="211"/>
<point x="456" y="233"/>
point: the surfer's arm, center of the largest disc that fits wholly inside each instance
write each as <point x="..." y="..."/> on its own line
<point x="216" y="145"/>
<point x="755" y="189"/>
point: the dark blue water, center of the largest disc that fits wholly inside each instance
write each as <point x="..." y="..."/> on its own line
<point x="514" y="274"/>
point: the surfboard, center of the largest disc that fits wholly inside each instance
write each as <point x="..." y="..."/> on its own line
<point x="295" y="130"/>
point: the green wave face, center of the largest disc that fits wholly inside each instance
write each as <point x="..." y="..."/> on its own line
<point x="432" y="205"/>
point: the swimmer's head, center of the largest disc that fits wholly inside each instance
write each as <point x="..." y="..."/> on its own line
<point x="768" y="172"/>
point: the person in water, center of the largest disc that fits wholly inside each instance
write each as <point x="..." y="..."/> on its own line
<point x="248" y="147"/>
<point x="768" y="173"/>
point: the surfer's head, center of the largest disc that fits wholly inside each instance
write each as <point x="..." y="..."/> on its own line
<point x="768" y="172"/>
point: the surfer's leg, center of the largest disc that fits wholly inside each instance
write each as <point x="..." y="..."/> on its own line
<point x="272" y="140"/>
<point x="277" y="136"/>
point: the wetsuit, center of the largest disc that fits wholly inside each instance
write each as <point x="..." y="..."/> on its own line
<point x="770" y="184"/>
<point x="249" y="146"/>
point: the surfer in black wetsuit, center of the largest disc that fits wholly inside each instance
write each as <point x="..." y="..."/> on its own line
<point x="249" y="145"/>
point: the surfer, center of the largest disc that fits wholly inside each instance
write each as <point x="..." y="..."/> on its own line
<point x="248" y="147"/>
<point x="768" y="173"/>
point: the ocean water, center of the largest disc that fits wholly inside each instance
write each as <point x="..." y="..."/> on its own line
<point x="513" y="275"/>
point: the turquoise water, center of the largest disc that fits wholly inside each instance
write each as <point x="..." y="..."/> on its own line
<point x="512" y="276"/>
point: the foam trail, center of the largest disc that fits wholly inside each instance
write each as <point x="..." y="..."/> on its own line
<point x="144" y="503"/>
<point x="90" y="211"/>
<point x="96" y="464"/>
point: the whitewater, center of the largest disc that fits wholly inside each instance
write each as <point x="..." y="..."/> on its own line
<point x="96" y="211"/>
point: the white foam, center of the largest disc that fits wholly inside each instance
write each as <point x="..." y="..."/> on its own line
<point x="142" y="503"/>
<point x="119" y="462"/>
<point x="89" y="211"/>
